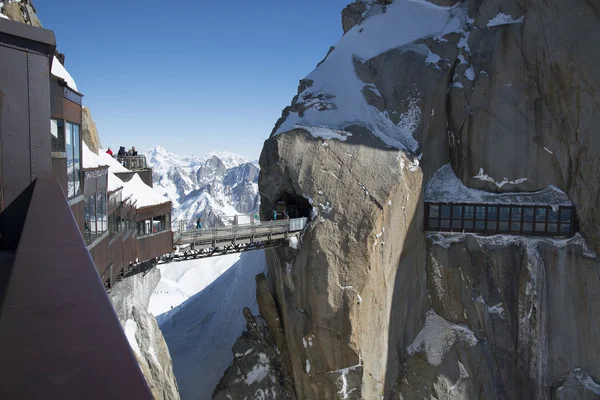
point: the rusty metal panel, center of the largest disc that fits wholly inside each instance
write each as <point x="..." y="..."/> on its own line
<point x="70" y="94"/>
<point x="152" y="246"/>
<point x="71" y="112"/>
<point x="14" y="123"/>
<point x="57" y="343"/>
<point x="59" y="168"/>
<point x="38" y="39"/>
<point x="154" y="211"/>
<point x="100" y="256"/>
<point x="56" y="99"/>
<point x="78" y="213"/>
<point x="129" y="249"/>
<point x="39" y="115"/>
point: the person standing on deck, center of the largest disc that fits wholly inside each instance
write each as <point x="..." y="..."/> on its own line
<point x="109" y="152"/>
<point x="198" y="224"/>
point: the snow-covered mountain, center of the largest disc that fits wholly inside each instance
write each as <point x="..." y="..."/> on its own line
<point x="213" y="187"/>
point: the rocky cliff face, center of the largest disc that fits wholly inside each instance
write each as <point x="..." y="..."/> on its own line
<point x="130" y="299"/>
<point x="369" y="306"/>
<point x="89" y="132"/>
<point x="510" y="318"/>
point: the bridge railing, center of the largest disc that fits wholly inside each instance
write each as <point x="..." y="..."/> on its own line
<point x="186" y="231"/>
<point x="133" y="163"/>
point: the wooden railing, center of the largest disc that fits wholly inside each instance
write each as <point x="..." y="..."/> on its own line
<point x="60" y="337"/>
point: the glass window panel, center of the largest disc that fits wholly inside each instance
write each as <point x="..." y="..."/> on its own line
<point x="480" y="225"/>
<point x="491" y="226"/>
<point x="70" y="161"/>
<point x="104" y="210"/>
<point x="565" y="229"/>
<point x="57" y="130"/>
<point x="480" y="213"/>
<point x="527" y="227"/>
<point x="469" y="212"/>
<point x="468" y="225"/>
<point x="434" y="210"/>
<point x="515" y="226"/>
<point x="565" y="215"/>
<point x="504" y="213"/>
<point x="93" y="227"/>
<point x="503" y="226"/>
<point x="456" y="212"/>
<point x="540" y="227"/>
<point x="433" y="223"/>
<point x="147" y="227"/>
<point x="552" y="228"/>
<point x="445" y="211"/>
<point x="140" y="228"/>
<point x="445" y="224"/>
<point x="492" y="212"/>
<point x="456" y="224"/>
<point x="99" y="211"/>
<point x="552" y="216"/>
<point x="516" y="213"/>
<point x="76" y="160"/>
<point x="528" y="214"/>
<point x="540" y="215"/>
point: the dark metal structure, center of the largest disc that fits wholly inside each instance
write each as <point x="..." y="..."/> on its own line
<point x="514" y="219"/>
<point x="59" y="335"/>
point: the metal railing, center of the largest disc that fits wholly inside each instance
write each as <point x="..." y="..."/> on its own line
<point x="133" y="163"/>
<point x="185" y="232"/>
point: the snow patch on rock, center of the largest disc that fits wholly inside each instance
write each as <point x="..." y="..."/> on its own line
<point x="437" y="337"/>
<point x="503" y="19"/>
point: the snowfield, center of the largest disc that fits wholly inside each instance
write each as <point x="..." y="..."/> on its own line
<point x="198" y="305"/>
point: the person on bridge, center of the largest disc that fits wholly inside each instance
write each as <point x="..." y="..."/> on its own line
<point x="274" y="215"/>
<point x="198" y="224"/>
<point x="122" y="152"/>
<point x="109" y="152"/>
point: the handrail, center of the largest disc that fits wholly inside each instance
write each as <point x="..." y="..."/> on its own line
<point x="133" y="163"/>
<point x="60" y="337"/>
<point x="183" y="233"/>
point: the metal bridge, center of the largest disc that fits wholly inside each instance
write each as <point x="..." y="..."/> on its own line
<point x="192" y="242"/>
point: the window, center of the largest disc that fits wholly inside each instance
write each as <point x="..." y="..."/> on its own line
<point x="72" y="148"/>
<point x="528" y="219"/>
<point x="434" y="213"/>
<point x="457" y="214"/>
<point x="504" y="217"/>
<point x="154" y="225"/>
<point x="96" y="220"/>
<point x="515" y="224"/>
<point x="57" y="129"/>
<point x="469" y="213"/>
<point x="540" y="220"/>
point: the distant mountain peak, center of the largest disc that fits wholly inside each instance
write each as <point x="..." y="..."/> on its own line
<point x="213" y="186"/>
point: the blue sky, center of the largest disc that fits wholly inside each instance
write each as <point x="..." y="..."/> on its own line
<point x="192" y="76"/>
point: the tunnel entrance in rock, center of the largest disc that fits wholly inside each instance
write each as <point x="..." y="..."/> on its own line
<point x="293" y="206"/>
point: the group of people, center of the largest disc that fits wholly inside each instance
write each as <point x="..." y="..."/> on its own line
<point x="122" y="152"/>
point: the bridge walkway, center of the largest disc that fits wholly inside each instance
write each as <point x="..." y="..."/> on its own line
<point x="209" y="242"/>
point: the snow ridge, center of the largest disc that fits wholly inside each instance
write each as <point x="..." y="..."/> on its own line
<point x="335" y="100"/>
